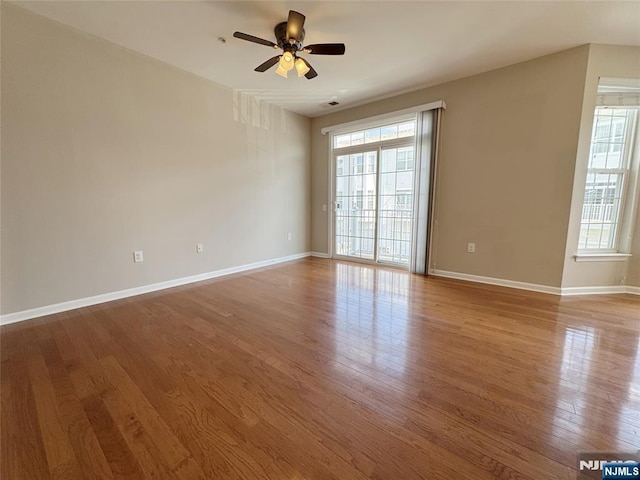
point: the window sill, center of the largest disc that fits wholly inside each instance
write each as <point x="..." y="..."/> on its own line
<point x="601" y="257"/>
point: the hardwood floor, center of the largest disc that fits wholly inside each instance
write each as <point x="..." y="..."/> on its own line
<point x="320" y="369"/>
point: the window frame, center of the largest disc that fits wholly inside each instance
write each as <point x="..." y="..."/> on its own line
<point x="626" y="172"/>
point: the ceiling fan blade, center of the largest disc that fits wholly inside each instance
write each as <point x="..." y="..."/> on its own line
<point x="326" y="49"/>
<point x="268" y="64"/>
<point x="251" y="38"/>
<point x="311" y="73"/>
<point x="295" y="24"/>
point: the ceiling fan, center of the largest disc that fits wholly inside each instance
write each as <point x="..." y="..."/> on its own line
<point x="289" y="37"/>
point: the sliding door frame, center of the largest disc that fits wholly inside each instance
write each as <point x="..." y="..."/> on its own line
<point x="378" y="147"/>
<point x="372" y="122"/>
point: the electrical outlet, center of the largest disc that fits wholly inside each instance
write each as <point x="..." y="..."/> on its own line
<point x="324" y="207"/>
<point x="289" y="236"/>
<point x="471" y="248"/>
<point x="199" y="248"/>
<point x="138" y="256"/>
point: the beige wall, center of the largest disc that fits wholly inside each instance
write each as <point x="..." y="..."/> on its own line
<point x="105" y="151"/>
<point x="604" y="61"/>
<point x="633" y="269"/>
<point x="507" y="159"/>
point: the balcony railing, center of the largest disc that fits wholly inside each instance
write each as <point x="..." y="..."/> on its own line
<point x="598" y="213"/>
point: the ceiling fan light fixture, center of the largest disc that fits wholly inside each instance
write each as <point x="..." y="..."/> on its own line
<point x="281" y="71"/>
<point x="286" y="61"/>
<point x="289" y="38"/>
<point x="301" y="67"/>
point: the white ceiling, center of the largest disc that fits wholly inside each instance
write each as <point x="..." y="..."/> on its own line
<point x="392" y="46"/>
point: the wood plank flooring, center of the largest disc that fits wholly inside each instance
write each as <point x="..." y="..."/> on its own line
<point x="320" y="369"/>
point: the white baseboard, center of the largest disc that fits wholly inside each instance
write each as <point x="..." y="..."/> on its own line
<point x="130" y="292"/>
<point x="496" y="281"/>
<point x="538" y="288"/>
<point x="596" y="290"/>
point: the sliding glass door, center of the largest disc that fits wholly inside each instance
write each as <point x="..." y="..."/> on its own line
<point x="373" y="202"/>
<point x="395" y="212"/>
<point x="356" y="204"/>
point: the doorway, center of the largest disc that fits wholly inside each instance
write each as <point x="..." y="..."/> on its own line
<point x="373" y="195"/>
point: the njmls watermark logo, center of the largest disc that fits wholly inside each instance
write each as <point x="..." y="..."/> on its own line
<point x="609" y="466"/>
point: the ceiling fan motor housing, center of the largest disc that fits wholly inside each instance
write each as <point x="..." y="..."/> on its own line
<point x="281" y="37"/>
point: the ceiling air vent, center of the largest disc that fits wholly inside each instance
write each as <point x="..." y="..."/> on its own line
<point x="329" y="104"/>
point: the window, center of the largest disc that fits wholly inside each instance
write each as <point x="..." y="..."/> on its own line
<point x="371" y="163"/>
<point x="357" y="202"/>
<point x="374" y="191"/>
<point x="406" y="129"/>
<point x="404" y="199"/>
<point x="405" y="159"/>
<point x="374" y="135"/>
<point x="358" y="164"/>
<point x="371" y="199"/>
<point x="357" y="138"/>
<point x="607" y="183"/>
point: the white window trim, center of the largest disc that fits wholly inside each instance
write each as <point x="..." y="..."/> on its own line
<point x="372" y="122"/>
<point x="366" y="122"/>
<point x="627" y="205"/>
<point x="601" y="257"/>
<point x="393" y="143"/>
